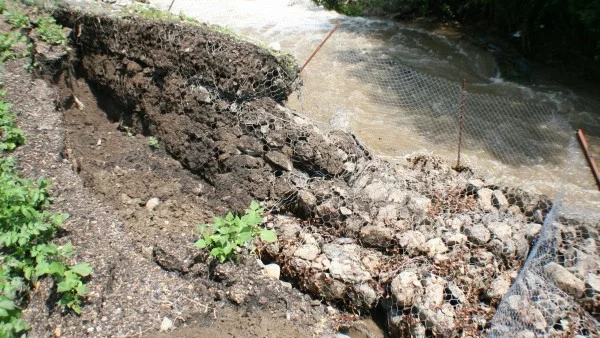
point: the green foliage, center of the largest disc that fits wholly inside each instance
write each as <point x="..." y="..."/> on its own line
<point x="17" y="19"/>
<point x="226" y="235"/>
<point x="49" y="31"/>
<point x="27" y="229"/>
<point x="10" y="136"/>
<point x="2" y="6"/>
<point x="153" y="142"/>
<point x="7" y="41"/>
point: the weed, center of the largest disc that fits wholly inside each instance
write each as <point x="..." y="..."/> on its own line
<point x="227" y="235"/>
<point x="17" y="19"/>
<point x="2" y="6"/>
<point x="153" y="142"/>
<point x="49" y="31"/>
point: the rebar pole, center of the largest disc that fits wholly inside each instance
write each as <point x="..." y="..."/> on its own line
<point x="590" y="160"/>
<point x="171" y="5"/>
<point x="461" y="120"/>
<point x="319" y="47"/>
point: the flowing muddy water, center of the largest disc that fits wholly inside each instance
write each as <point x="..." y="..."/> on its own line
<point x="397" y="87"/>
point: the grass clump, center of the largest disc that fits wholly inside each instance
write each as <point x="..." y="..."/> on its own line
<point x="226" y="236"/>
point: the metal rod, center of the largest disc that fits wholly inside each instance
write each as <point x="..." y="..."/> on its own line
<point x="321" y="45"/>
<point x="171" y="5"/>
<point x="590" y="160"/>
<point x="461" y="120"/>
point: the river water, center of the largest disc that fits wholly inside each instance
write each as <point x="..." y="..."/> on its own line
<point x="398" y="88"/>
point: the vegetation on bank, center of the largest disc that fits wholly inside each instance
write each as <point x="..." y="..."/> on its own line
<point x="27" y="227"/>
<point x="563" y="33"/>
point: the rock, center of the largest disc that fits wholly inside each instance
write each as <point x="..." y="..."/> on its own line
<point x="526" y="312"/>
<point x="345" y="211"/>
<point x="321" y="263"/>
<point x="345" y="263"/>
<point x="279" y="160"/>
<point x="453" y="239"/>
<point x="367" y="295"/>
<point x="405" y="287"/>
<point x="237" y="294"/>
<point x="419" y="206"/>
<point x="152" y="203"/>
<point x="500" y="230"/>
<point x="478" y="233"/>
<point x="250" y="146"/>
<point x="499" y="200"/>
<point x="532" y="230"/>
<point x="434" y="292"/>
<point x="273" y="270"/>
<point x="455" y="293"/>
<point x="376" y="191"/>
<point x="397" y="196"/>
<point x="125" y="199"/>
<point x="376" y="235"/>
<point x="286" y="285"/>
<point x="592" y="285"/>
<point x="565" y="280"/>
<point x="288" y="228"/>
<point x="440" y="319"/>
<point x="484" y="198"/>
<point x="328" y="211"/>
<point x="168" y="261"/>
<point x="323" y="284"/>
<point x="498" y="288"/>
<point x="307" y="251"/>
<point x="413" y="242"/>
<point x="306" y="202"/>
<point x="435" y="246"/>
<point x="166" y="324"/>
<point x="387" y="213"/>
<point x="372" y="263"/>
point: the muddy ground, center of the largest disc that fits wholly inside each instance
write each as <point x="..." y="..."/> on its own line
<point x="425" y="249"/>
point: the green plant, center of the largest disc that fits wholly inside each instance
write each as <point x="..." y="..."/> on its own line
<point x="17" y="19"/>
<point x="49" y="31"/>
<point x="227" y="235"/>
<point x="10" y="136"/>
<point x="2" y="6"/>
<point x="153" y="142"/>
<point x="7" y="41"/>
<point x="27" y="229"/>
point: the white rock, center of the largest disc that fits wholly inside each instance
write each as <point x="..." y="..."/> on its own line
<point x="273" y="270"/>
<point x="345" y="262"/>
<point x="413" y="242"/>
<point x="307" y="251"/>
<point x="166" y="324"/>
<point x="592" y="284"/>
<point x="500" y="230"/>
<point x="435" y="246"/>
<point x="152" y="203"/>
<point x="499" y="200"/>
<point x="405" y="287"/>
<point x="484" y="197"/>
<point x="565" y="280"/>
<point x="478" y="234"/>
<point x="499" y="287"/>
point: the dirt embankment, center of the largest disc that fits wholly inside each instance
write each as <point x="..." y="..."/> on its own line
<point x="431" y="249"/>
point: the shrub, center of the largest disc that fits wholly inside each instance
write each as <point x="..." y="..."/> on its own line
<point x="49" y="31"/>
